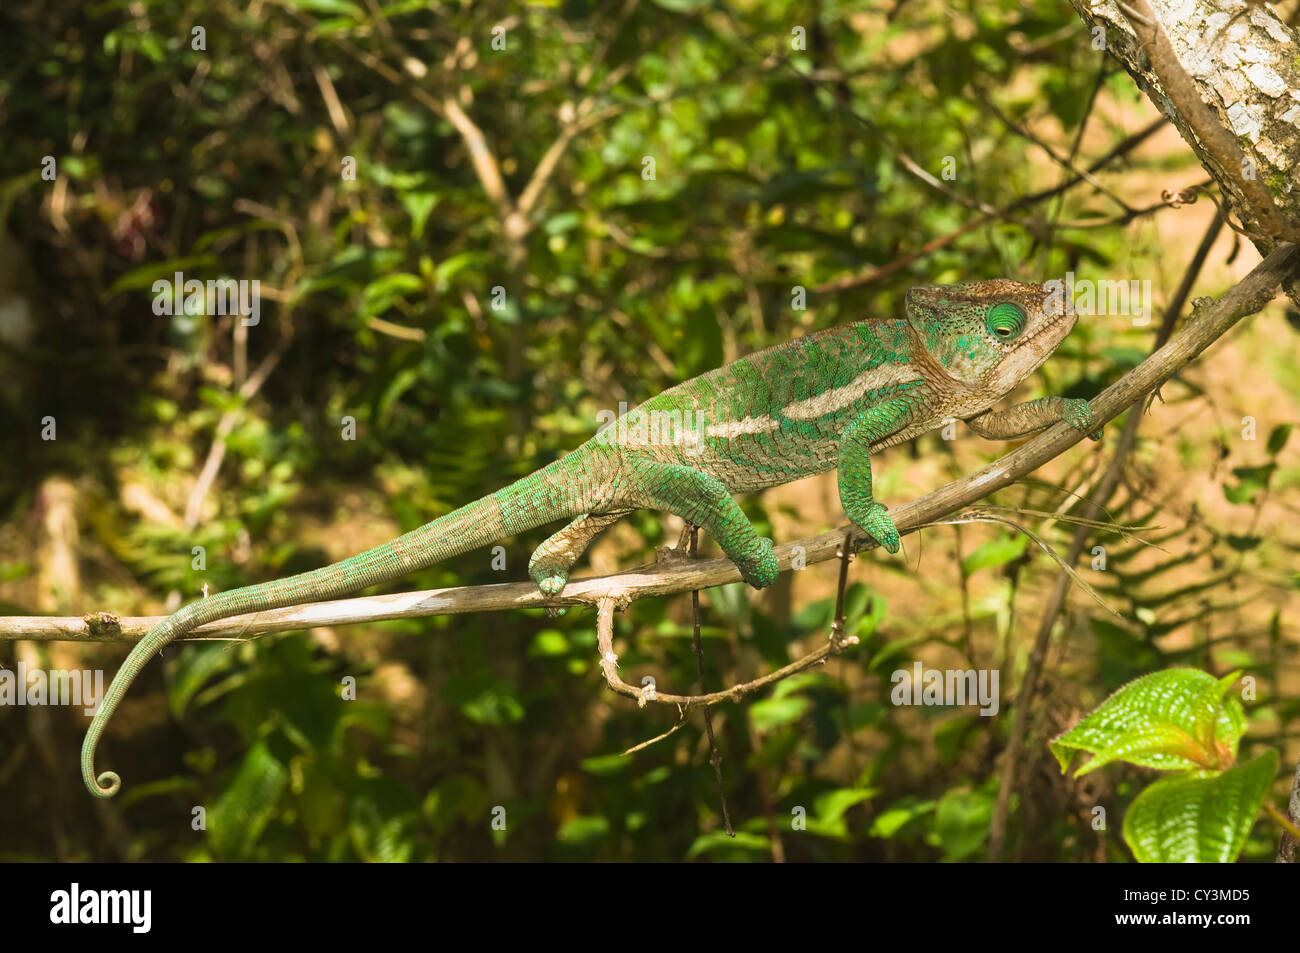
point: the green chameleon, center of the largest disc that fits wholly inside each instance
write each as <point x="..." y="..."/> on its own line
<point x="828" y="400"/>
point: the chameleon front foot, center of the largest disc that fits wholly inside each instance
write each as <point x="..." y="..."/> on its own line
<point x="759" y="567"/>
<point x="1078" y="414"/>
<point x="877" y="524"/>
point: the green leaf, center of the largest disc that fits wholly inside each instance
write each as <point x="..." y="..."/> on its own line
<point x="1252" y="481"/>
<point x="898" y="815"/>
<point x="329" y="6"/>
<point x="163" y="788"/>
<point x="961" y="822"/>
<point x="450" y="267"/>
<point x="1202" y="818"/>
<point x="419" y="205"/>
<point x="493" y="706"/>
<point x="892" y="650"/>
<point x="549" y="643"/>
<point x="1243" y="544"/>
<point x="1178" y="719"/>
<point x="383" y="823"/>
<point x="681" y="6"/>
<point x="146" y="275"/>
<point x="832" y="806"/>
<point x="196" y="665"/>
<point x="564" y="222"/>
<point x="718" y="840"/>
<point x="243" y="809"/>
<point x="807" y="681"/>
<point x="583" y="831"/>
<point x="1277" y="438"/>
<point x="951" y="737"/>
<point x="771" y="713"/>
<point x="605" y="764"/>
<point x="380" y="295"/>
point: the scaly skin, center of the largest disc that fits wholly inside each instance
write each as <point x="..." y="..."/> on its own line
<point x="823" y="401"/>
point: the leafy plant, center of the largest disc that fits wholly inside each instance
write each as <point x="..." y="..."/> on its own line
<point x="1184" y="721"/>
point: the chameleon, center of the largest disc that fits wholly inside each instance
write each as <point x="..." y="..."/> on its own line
<point x="827" y="400"/>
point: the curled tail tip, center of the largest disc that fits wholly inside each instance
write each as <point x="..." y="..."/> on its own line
<point x="107" y="783"/>
<point x="105" y="786"/>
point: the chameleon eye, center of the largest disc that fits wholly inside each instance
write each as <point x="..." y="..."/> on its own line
<point x="1006" y="320"/>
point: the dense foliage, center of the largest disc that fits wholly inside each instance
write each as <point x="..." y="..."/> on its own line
<point x="774" y="168"/>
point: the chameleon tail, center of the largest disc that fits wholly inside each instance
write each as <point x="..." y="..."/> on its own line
<point x="542" y="497"/>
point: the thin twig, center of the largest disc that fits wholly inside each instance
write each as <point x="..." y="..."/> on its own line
<point x="681" y="722"/>
<point x="715" y="758"/>
<point x="1287" y="825"/>
<point x="1004" y="213"/>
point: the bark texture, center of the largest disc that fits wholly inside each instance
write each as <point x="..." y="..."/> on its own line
<point x="1244" y="63"/>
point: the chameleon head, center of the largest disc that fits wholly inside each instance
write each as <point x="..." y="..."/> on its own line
<point x="990" y="334"/>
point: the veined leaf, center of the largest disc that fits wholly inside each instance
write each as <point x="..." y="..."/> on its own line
<point x="1176" y="719"/>
<point x="1202" y="818"/>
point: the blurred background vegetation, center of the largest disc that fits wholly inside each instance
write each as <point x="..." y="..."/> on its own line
<point x="774" y="167"/>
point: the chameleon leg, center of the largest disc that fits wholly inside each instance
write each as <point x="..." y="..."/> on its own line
<point x="1021" y="419"/>
<point x="553" y="559"/>
<point x="854" y="468"/>
<point x="704" y="500"/>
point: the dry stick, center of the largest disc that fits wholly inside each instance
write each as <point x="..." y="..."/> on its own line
<point x="1217" y="140"/>
<point x="715" y="758"/>
<point x="1206" y="325"/>
<point x="1056" y="600"/>
<point x="609" y="666"/>
<point x="846" y="556"/>
<point x="226" y="425"/>
<point x="1289" y="828"/>
<point x="1065" y="163"/>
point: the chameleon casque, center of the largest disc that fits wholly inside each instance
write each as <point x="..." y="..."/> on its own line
<point x="827" y="400"/>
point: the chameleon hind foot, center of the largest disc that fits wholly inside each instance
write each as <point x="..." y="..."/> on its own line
<point x="552" y="560"/>
<point x="551" y="581"/>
